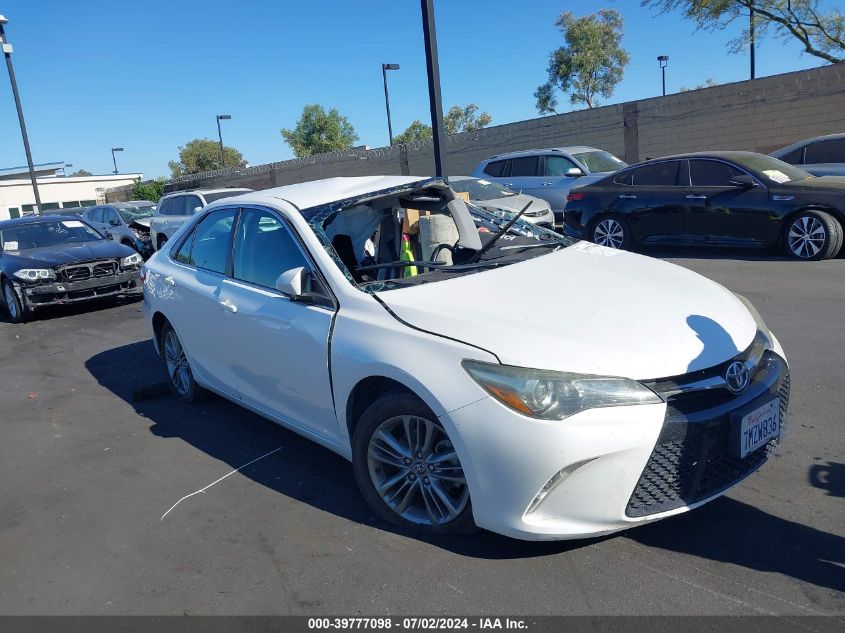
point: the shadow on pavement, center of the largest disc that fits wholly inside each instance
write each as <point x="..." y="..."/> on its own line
<point x="830" y="477"/>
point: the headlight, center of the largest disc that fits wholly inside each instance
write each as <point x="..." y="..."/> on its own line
<point x="132" y="260"/>
<point x="551" y="395"/>
<point x="34" y="274"/>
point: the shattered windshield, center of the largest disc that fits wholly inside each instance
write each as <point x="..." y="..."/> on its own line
<point x="130" y="214"/>
<point x="424" y="236"/>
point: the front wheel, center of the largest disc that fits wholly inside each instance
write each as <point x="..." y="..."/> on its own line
<point x="611" y="231"/>
<point x="180" y="378"/>
<point x="17" y="313"/>
<point x="813" y="235"/>
<point x="407" y="468"/>
<point x="162" y="240"/>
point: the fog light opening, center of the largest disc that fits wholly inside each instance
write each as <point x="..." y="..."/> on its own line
<point x="554" y="482"/>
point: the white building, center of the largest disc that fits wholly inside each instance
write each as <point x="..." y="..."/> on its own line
<point x="57" y="190"/>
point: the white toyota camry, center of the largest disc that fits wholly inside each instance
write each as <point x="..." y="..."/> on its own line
<point x="389" y="321"/>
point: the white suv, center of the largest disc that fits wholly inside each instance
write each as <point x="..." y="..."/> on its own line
<point x="175" y="209"/>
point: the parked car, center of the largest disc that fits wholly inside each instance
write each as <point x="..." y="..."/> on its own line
<point x="821" y="156"/>
<point x="496" y="197"/>
<point x="715" y="199"/>
<point x="549" y="173"/>
<point x="177" y="208"/>
<point x="453" y="411"/>
<point x="124" y="222"/>
<point x="50" y="260"/>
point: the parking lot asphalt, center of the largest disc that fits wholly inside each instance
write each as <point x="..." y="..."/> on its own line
<point x="87" y="475"/>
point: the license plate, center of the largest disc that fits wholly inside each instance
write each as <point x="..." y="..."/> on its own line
<point x="759" y="427"/>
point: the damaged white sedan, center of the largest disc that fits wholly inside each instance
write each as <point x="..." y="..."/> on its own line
<point x="391" y="322"/>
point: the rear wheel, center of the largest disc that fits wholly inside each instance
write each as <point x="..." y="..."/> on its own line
<point x="17" y="313"/>
<point x="813" y="235"/>
<point x="180" y="378"/>
<point x="408" y="469"/>
<point x="611" y="231"/>
<point x="162" y="240"/>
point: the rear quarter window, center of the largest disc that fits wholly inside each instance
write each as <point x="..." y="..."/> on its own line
<point x="495" y="168"/>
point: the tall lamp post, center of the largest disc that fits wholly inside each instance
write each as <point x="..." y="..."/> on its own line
<point x="113" y="159"/>
<point x="663" y="60"/>
<point x="432" y="66"/>
<point x="7" y="53"/>
<point x="384" y="69"/>
<point x="751" y="29"/>
<point x="222" y="117"/>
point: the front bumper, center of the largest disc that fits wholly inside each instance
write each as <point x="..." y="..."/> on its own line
<point x="64" y="292"/>
<point x="605" y="470"/>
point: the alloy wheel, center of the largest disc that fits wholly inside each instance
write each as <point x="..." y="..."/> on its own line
<point x="610" y="233"/>
<point x="415" y="469"/>
<point x="178" y="368"/>
<point x="806" y="237"/>
<point x="11" y="301"/>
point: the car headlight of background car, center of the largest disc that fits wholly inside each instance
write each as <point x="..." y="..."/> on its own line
<point x="551" y="395"/>
<point x="131" y="261"/>
<point x="35" y="274"/>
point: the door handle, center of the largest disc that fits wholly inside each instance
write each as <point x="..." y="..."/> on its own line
<point x="229" y="305"/>
<point x="692" y="197"/>
<point x="508" y="184"/>
<point x="627" y="196"/>
<point x="170" y="281"/>
<point x="547" y="184"/>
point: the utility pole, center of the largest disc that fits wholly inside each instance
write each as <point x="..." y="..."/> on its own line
<point x="432" y="66"/>
<point x="384" y="69"/>
<point x="7" y="52"/>
<point x="222" y="117"/>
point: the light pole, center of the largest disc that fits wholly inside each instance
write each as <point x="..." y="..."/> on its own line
<point x="432" y="66"/>
<point x="113" y="159"/>
<point x="222" y="117"/>
<point x="663" y="60"/>
<point x="7" y="52"/>
<point x="384" y="69"/>
<point x="751" y="28"/>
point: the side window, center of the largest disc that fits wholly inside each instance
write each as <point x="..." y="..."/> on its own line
<point x="264" y="249"/>
<point x="795" y="157"/>
<point x="96" y="214"/>
<point x="527" y="166"/>
<point x="832" y="151"/>
<point x="211" y="242"/>
<point x="625" y="178"/>
<point x="657" y="175"/>
<point x="557" y="165"/>
<point x="108" y="215"/>
<point x="164" y="207"/>
<point x="495" y="168"/>
<point x="191" y="204"/>
<point x="711" y="173"/>
<point x="177" y="206"/>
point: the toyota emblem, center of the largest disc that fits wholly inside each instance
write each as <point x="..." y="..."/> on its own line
<point x="737" y="377"/>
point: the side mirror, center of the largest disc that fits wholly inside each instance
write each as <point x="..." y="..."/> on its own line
<point x="291" y="283"/>
<point x="574" y="172"/>
<point x="197" y="209"/>
<point x="743" y="181"/>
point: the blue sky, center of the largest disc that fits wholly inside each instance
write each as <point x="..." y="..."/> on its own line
<point x="150" y="76"/>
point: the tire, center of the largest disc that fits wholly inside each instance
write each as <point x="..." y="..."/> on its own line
<point x="180" y="378"/>
<point x="812" y="236"/>
<point x="14" y="308"/>
<point x="425" y="477"/>
<point x="162" y="240"/>
<point x="612" y="231"/>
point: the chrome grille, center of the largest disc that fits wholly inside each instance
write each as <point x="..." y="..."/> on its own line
<point x="89" y="270"/>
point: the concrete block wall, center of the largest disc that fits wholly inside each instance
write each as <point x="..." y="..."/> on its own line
<point x="760" y="115"/>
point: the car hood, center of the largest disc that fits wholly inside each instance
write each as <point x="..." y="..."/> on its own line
<point x="145" y="222"/>
<point x="514" y="203"/>
<point x="622" y="314"/>
<point x="68" y="253"/>
<point x="836" y="183"/>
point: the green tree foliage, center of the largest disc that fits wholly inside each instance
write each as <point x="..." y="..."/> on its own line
<point x="81" y="172"/>
<point x="151" y="190"/>
<point x="820" y="31"/>
<point x="319" y="131"/>
<point x="456" y="121"/>
<point x="417" y="131"/>
<point x="467" y="119"/>
<point x="589" y="64"/>
<point x="201" y="155"/>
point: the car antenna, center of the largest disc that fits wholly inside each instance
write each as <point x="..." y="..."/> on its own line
<point x="499" y="234"/>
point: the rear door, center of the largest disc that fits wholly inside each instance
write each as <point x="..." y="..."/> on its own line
<point x="722" y="213"/>
<point x="826" y="157"/>
<point x="654" y="203"/>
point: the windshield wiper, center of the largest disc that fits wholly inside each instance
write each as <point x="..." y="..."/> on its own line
<point x="478" y="255"/>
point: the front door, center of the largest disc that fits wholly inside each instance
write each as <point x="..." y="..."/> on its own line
<point x="280" y="346"/>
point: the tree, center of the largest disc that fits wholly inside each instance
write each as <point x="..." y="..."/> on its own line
<point x="708" y="83"/>
<point x="417" y="131"/>
<point x="201" y="155"/>
<point x="458" y="119"/>
<point x="151" y="190"/>
<point x="589" y="64"/>
<point x="820" y="32"/>
<point x="318" y="131"/>
<point x="81" y="172"/>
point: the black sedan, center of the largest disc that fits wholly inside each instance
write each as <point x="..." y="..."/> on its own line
<point x="49" y="260"/>
<point x="712" y="198"/>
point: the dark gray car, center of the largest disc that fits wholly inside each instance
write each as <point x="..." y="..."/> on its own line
<point x="124" y="222"/>
<point x="821" y="156"/>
